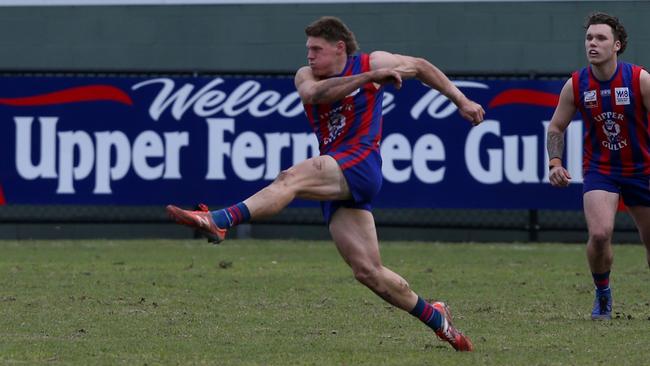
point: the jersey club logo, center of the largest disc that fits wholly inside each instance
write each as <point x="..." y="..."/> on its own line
<point x="590" y="99"/>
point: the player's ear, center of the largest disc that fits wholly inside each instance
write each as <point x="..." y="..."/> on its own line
<point x="617" y="45"/>
<point x="340" y="46"/>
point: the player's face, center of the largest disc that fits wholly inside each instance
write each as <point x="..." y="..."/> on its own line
<point x="322" y="56"/>
<point x="600" y="44"/>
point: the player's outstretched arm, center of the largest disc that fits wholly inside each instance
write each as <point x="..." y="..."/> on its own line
<point x="423" y="70"/>
<point x="330" y="90"/>
<point x="558" y="175"/>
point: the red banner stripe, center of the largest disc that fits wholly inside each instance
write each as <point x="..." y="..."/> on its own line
<point x="525" y="96"/>
<point x="87" y="93"/>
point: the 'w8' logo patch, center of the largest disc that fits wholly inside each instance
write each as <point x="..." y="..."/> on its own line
<point x="622" y="96"/>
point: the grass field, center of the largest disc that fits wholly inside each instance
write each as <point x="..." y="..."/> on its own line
<point x="296" y="303"/>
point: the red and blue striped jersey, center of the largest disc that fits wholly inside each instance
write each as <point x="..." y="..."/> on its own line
<point x="349" y="129"/>
<point x="616" y="134"/>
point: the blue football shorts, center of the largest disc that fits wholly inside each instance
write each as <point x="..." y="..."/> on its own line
<point x="635" y="190"/>
<point x="364" y="180"/>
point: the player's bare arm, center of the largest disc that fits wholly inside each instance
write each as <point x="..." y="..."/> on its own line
<point x="314" y="91"/>
<point x="559" y="176"/>
<point x="423" y="70"/>
<point x="644" y="80"/>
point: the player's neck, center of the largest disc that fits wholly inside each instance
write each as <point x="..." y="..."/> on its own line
<point x="339" y="66"/>
<point x="605" y="70"/>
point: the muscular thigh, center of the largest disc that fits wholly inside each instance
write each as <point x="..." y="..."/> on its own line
<point x="600" y="210"/>
<point x="317" y="178"/>
<point x="354" y="233"/>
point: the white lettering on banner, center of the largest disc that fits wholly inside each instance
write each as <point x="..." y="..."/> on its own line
<point x="305" y="145"/>
<point x="493" y="174"/>
<point x="498" y="159"/>
<point x="78" y="154"/>
<point x="528" y="171"/>
<point x="428" y="148"/>
<point x="387" y="103"/>
<point x="148" y="145"/>
<point x="275" y="142"/>
<point x="247" y="146"/>
<point x="218" y="148"/>
<point x="68" y="171"/>
<point x="396" y="147"/>
<point x="208" y="101"/>
<point x="246" y="97"/>
<point x="506" y="160"/>
<point x="46" y="167"/>
<point x="105" y="142"/>
<point x="433" y="101"/>
<point x="174" y="141"/>
<point x="255" y="157"/>
<point x="105" y="157"/>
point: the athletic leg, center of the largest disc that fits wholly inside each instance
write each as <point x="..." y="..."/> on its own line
<point x="318" y="178"/>
<point x="600" y="211"/>
<point x="354" y="233"/>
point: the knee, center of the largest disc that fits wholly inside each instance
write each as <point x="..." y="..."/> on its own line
<point x="285" y="176"/>
<point x="367" y="274"/>
<point x="286" y="179"/>
<point x="600" y="238"/>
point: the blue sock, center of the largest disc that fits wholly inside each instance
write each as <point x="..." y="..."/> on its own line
<point x="231" y="216"/>
<point x="601" y="280"/>
<point x="427" y="314"/>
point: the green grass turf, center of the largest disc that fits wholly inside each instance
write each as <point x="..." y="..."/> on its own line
<point x="296" y="303"/>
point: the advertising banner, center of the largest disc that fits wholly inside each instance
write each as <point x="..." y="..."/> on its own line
<point x="124" y="140"/>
